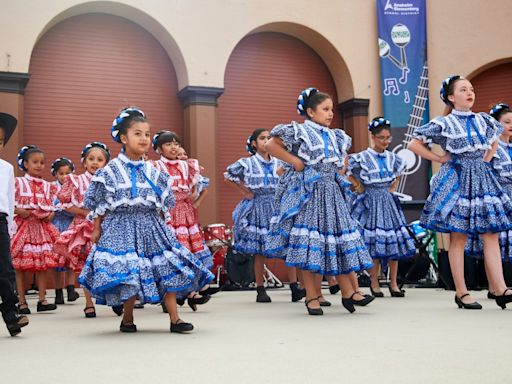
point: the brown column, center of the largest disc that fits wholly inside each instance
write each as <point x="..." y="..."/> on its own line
<point x="199" y="138"/>
<point x="355" y="122"/>
<point x="12" y="88"/>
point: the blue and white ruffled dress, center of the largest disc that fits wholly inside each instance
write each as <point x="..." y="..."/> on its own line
<point x="252" y="217"/>
<point x="465" y="195"/>
<point x="137" y="253"/>
<point x="312" y="228"/>
<point x="377" y="210"/>
<point x="502" y="164"/>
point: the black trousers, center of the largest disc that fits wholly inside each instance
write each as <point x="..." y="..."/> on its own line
<point x="7" y="274"/>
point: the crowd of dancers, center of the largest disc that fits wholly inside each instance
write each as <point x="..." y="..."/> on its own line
<point x="128" y="226"/>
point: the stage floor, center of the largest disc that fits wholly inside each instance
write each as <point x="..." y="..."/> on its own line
<point x="422" y="338"/>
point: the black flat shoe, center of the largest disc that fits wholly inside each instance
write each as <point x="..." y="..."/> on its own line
<point x="473" y="305"/>
<point x="128" y="328"/>
<point x="25" y="310"/>
<point x="118" y="309"/>
<point x="59" y="297"/>
<point x="194" y="301"/>
<point x="262" y="296"/>
<point x="42" y="307"/>
<point x="210" y="291"/>
<point x="324" y="303"/>
<point x="393" y="293"/>
<point x="313" y="311"/>
<point x="504" y="299"/>
<point x="491" y="295"/>
<point x="297" y="293"/>
<point x="334" y="289"/>
<point x="90" y="314"/>
<point x="376" y="294"/>
<point x="348" y="304"/>
<point x="72" y="294"/>
<point x="181" y="327"/>
<point x="367" y="299"/>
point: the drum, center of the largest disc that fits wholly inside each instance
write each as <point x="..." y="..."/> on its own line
<point x="418" y="231"/>
<point x="215" y="235"/>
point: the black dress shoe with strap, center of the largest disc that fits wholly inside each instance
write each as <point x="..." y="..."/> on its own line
<point x="367" y="299"/>
<point x="504" y="299"/>
<point x="314" y="311"/>
<point x="461" y="304"/>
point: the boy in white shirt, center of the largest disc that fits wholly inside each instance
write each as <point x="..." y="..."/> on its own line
<point x="12" y="319"/>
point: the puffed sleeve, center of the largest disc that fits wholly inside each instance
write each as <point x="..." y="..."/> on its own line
<point x="343" y="141"/>
<point x="236" y="172"/>
<point x="431" y="132"/>
<point x="65" y="194"/>
<point x="399" y="165"/>
<point x="493" y="127"/>
<point x="291" y="134"/>
<point x="354" y="165"/>
<point x="99" y="197"/>
<point x="164" y="184"/>
<point x="194" y="172"/>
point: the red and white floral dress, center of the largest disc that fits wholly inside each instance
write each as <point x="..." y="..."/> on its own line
<point x="32" y="245"/>
<point x="182" y="217"/>
<point x="74" y="244"/>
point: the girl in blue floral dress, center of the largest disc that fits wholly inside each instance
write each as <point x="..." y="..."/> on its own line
<point x="375" y="173"/>
<point x="136" y="254"/>
<point x="502" y="164"/>
<point x="256" y="177"/>
<point x="466" y="197"/>
<point x="312" y="228"/>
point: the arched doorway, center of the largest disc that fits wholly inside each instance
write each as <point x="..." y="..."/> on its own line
<point x="83" y="70"/>
<point x="493" y="85"/>
<point x="264" y="76"/>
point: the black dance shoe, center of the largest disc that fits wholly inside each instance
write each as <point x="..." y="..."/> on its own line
<point x="181" y="327"/>
<point x="376" y="294"/>
<point x="25" y="310"/>
<point x="393" y="293"/>
<point x="473" y="305"/>
<point x="348" y="304"/>
<point x="128" y="328"/>
<point x="313" y="311"/>
<point x="194" y="301"/>
<point x="118" y="309"/>
<point x="334" y="289"/>
<point x="59" y="296"/>
<point x="262" y="296"/>
<point x="72" y="293"/>
<point x="491" y="295"/>
<point x="504" y="299"/>
<point x="210" y="291"/>
<point x="42" y="307"/>
<point x="367" y="299"/>
<point x="324" y="303"/>
<point x="88" y="313"/>
<point x="297" y="293"/>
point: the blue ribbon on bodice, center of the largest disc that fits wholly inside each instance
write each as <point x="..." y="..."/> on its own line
<point x="383" y="169"/>
<point x="326" y="139"/>
<point x="470" y="122"/>
<point x="267" y="171"/>
<point x="133" y="172"/>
